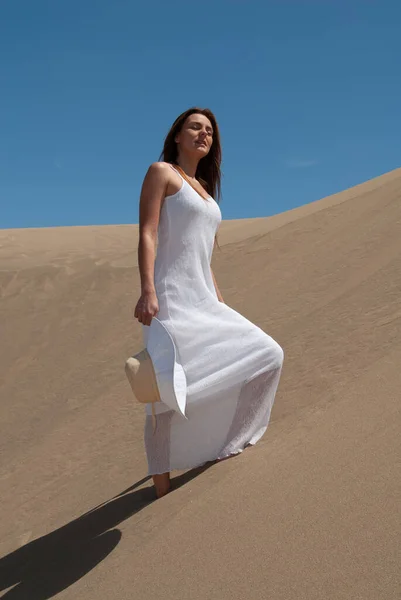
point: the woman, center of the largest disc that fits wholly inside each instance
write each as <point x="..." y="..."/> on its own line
<point x="231" y="367"/>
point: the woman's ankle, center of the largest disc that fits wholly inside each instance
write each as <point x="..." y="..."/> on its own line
<point x="162" y="484"/>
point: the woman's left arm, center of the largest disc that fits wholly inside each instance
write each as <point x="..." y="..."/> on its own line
<point x="219" y="296"/>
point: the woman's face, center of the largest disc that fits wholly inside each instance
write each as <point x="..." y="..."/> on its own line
<point x="196" y="136"/>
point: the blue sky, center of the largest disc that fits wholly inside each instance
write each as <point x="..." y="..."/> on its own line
<point x="307" y="95"/>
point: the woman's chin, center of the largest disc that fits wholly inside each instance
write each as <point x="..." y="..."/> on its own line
<point x="202" y="151"/>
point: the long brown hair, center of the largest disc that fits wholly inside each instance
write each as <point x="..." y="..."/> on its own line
<point x="209" y="171"/>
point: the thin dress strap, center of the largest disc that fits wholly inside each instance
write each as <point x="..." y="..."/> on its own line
<point x="176" y="171"/>
<point x="190" y="184"/>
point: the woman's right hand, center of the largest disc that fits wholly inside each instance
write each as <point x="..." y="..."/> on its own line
<point x="146" y="308"/>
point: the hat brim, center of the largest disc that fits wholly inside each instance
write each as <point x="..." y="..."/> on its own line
<point x="170" y="374"/>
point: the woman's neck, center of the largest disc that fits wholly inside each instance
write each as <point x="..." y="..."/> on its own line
<point x="188" y="165"/>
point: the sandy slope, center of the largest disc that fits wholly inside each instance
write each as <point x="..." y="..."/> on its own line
<point x="310" y="512"/>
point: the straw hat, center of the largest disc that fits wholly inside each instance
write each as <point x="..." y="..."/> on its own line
<point x="155" y="374"/>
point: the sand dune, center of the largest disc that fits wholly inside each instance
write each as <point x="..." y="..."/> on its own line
<point x="311" y="512"/>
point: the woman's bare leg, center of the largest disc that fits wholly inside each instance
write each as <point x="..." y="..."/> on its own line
<point x="162" y="484"/>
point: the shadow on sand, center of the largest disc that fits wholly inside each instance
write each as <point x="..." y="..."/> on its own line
<point x="46" y="566"/>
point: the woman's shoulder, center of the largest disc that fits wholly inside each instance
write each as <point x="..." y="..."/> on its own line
<point x="160" y="167"/>
<point x="159" y="173"/>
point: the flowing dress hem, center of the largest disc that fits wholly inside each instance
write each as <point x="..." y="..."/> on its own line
<point x="219" y="457"/>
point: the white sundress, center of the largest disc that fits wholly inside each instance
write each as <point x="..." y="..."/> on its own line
<point x="225" y="369"/>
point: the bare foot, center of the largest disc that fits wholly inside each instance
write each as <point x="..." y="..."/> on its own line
<point x="162" y="484"/>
